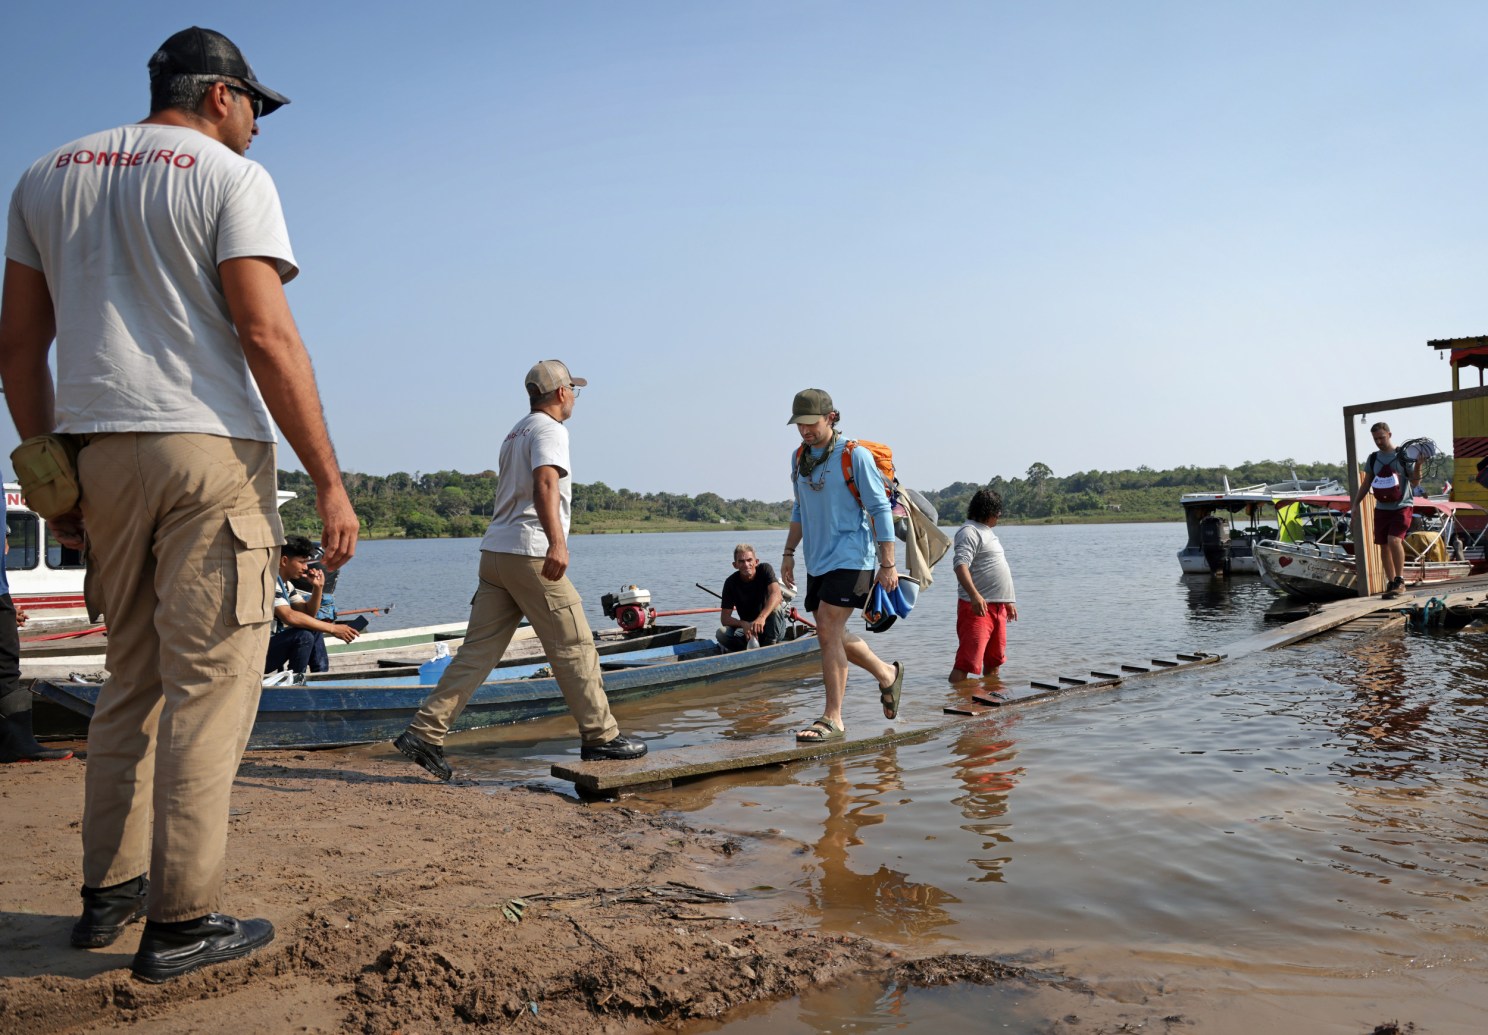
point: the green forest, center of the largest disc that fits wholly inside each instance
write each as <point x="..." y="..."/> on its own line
<point x="451" y="504"/>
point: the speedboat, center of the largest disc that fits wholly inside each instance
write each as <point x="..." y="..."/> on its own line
<point x="1321" y="566"/>
<point x="1218" y="544"/>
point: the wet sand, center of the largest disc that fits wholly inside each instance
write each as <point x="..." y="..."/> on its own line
<point x="387" y="888"/>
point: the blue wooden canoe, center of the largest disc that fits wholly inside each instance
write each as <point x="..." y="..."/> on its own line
<point x="361" y="711"/>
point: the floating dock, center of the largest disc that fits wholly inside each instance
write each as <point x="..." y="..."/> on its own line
<point x="1366" y="616"/>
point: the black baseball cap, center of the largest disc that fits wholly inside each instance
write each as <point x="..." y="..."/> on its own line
<point x="198" y="51"/>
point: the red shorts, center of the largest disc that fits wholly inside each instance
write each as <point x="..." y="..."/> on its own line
<point x="1389" y="523"/>
<point x="983" y="638"/>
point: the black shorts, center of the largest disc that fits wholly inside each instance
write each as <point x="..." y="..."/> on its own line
<point x="845" y="587"/>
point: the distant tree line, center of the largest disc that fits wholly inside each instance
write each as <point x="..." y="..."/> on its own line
<point x="448" y="503"/>
<point x="1143" y="494"/>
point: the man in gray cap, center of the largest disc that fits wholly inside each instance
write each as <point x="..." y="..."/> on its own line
<point x="155" y="255"/>
<point x="523" y="565"/>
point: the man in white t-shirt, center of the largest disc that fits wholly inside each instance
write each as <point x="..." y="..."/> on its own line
<point x="524" y="558"/>
<point x="155" y="255"/>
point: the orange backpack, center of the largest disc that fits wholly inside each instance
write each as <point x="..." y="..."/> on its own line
<point x="883" y="459"/>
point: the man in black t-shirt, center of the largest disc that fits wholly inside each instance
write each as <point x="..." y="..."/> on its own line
<point x="754" y="592"/>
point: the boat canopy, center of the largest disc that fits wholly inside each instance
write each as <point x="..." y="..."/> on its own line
<point x="1258" y="495"/>
<point x="1344" y="504"/>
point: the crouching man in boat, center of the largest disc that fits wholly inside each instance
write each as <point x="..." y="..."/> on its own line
<point x="523" y="566"/>
<point x="1392" y="478"/>
<point x="160" y="273"/>
<point x="299" y="635"/>
<point x="842" y="558"/>
<point x="753" y="592"/>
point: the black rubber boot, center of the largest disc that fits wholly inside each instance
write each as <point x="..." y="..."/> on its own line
<point x="107" y="911"/>
<point x="17" y="744"/>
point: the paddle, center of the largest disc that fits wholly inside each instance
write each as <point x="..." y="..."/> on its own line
<point x="367" y="611"/>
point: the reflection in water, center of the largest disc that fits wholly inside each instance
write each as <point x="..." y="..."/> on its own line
<point x="1381" y="725"/>
<point x="981" y="758"/>
<point x="1225" y="602"/>
<point x="753" y="716"/>
<point x="882" y="904"/>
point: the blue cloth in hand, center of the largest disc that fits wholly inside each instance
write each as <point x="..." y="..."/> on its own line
<point x="897" y="603"/>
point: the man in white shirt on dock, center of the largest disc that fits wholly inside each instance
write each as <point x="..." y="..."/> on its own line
<point x="523" y="572"/>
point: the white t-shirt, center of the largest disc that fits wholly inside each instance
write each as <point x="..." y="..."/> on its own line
<point x="978" y="547"/>
<point x="129" y="226"/>
<point x="537" y="441"/>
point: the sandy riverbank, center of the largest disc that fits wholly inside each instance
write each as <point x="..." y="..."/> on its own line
<point x="386" y="889"/>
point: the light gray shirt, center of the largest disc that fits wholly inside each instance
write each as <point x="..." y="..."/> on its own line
<point x="537" y="441"/>
<point x="129" y="226"/>
<point x="978" y="548"/>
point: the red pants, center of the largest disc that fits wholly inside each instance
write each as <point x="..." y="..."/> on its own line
<point x="983" y="638"/>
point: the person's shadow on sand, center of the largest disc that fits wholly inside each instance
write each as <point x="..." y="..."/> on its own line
<point x="37" y="943"/>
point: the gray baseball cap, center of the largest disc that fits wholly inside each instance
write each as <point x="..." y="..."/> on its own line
<point x="549" y="374"/>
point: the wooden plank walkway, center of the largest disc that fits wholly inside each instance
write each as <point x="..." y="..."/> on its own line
<point x="663" y="768"/>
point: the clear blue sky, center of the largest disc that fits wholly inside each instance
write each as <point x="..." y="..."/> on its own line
<point x="1094" y="235"/>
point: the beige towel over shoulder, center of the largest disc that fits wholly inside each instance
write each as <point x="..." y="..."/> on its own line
<point x="925" y="546"/>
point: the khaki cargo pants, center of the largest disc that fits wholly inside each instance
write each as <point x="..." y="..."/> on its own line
<point x="512" y="586"/>
<point x="183" y="538"/>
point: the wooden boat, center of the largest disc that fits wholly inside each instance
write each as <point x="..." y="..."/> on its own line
<point x="60" y="655"/>
<point x="525" y="649"/>
<point x="1324" y="569"/>
<point x="54" y="720"/>
<point x="1218" y="543"/>
<point x="338" y="713"/>
<point x="381" y="653"/>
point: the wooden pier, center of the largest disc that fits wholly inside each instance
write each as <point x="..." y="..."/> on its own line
<point x="1366" y="616"/>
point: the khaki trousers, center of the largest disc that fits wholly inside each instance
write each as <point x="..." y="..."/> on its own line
<point x="183" y="539"/>
<point x="511" y="586"/>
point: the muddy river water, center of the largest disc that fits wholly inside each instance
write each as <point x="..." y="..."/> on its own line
<point x="1294" y="841"/>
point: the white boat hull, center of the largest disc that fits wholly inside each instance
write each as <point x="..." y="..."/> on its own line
<point x="1315" y="572"/>
<point x="1193" y="563"/>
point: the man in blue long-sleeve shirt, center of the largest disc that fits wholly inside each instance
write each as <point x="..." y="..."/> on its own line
<point x="848" y="546"/>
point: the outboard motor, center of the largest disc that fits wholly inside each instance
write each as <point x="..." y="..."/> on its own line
<point x="1214" y="537"/>
<point x="630" y="608"/>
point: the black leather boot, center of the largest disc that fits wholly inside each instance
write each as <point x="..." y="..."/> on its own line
<point x="107" y="911"/>
<point x="18" y="745"/>
<point x="168" y="950"/>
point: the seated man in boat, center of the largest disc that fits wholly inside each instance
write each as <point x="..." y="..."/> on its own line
<point x="299" y="636"/>
<point x="1391" y="477"/>
<point x="754" y="593"/>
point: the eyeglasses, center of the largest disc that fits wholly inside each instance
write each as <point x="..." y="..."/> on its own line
<point x="575" y="389"/>
<point x="254" y="100"/>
